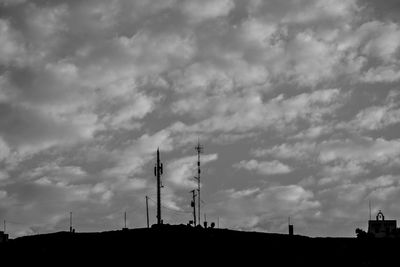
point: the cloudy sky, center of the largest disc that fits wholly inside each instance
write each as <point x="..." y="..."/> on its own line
<point x="296" y="102"/>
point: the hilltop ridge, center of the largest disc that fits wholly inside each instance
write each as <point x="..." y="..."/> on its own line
<point x="185" y="245"/>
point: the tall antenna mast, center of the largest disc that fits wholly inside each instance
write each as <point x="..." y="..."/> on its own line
<point x="193" y="205"/>
<point x="158" y="171"/>
<point x="147" y="211"/>
<point x="199" y="148"/>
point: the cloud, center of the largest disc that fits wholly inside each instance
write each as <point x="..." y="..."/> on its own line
<point x="286" y="151"/>
<point x="370" y="151"/>
<point x="4" y="176"/>
<point x="181" y="172"/>
<point x="203" y="10"/>
<point x="127" y="112"/>
<point x="4" y="150"/>
<point x="341" y="172"/>
<point x="264" y="167"/>
<point x="301" y="89"/>
<point x="3" y="194"/>
<point x="306" y="12"/>
<point x="132" y="158"/>
<point x="260" y="205"/>
<point x="11" y="47"/>
<point x="387" y="74"/>
<point x="245" y="113"/>
<point x="53" y="172"/>
<point x="383" y="39"/>
<point x="379" y="190"/>
<point x="375" y="118"/>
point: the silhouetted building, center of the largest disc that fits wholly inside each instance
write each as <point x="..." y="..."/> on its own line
<point x="3" y="237"/>
<point x="381" y="227"/>
<point x="291" y="231"/>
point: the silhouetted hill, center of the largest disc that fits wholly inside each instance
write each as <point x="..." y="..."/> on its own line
<point x="183" y="246"/>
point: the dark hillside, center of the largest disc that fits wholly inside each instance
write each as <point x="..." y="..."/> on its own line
<point x="184" y="246"/>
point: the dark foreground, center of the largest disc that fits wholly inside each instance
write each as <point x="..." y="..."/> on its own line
<point x="185" y="246"/>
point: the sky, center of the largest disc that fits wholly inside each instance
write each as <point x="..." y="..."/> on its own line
<point x="296" y="103"/>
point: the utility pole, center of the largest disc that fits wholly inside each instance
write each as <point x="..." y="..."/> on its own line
<point x="193" y="204"/>
<point x="125" y="219"/>
<point x="147" y="211"/>
<point x="158" y="171"/>
<point x="199" y="150"/>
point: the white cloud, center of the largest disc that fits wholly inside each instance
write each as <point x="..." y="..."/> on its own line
<point x="200" y="10"/>
<point x="314" y="132"/>
<point x="3" y="194"/>
<point x="375" y="118"/>
<point x="342" y="172"/>
<point x="11" y="2"/>
<point x="11" y="48"/>
<point x="388" y="73"/>
<point x="245" y="113"/>
<point x="4" y="176"/>
<point x="181" y="172"/>
<point x="129" y="111"/>
<point x="54" y="173"/>
<point x="314" y="60"/>
<point x="384" y="39"/>
<point x="4" y="150"/>
<point x="264" y="167"/>
<point x="374" y="39"/>
<point x="299" y="151"/>
<point x="266" y="204"/>
<point x="367" y="150"/>
<point x="131" y="159"/>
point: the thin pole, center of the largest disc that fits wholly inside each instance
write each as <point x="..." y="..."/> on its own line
<point x="147" y="211"/>
<point x="4" y="226"/>
<point x="125" y="219"/>
<point x="218" y="222"/>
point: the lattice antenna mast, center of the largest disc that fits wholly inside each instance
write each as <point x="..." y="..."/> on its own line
<point x="199" y="148"/>
<point x="193" y="205"/>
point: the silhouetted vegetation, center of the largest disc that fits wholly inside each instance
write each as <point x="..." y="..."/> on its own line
<point x="361" y="234"/>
